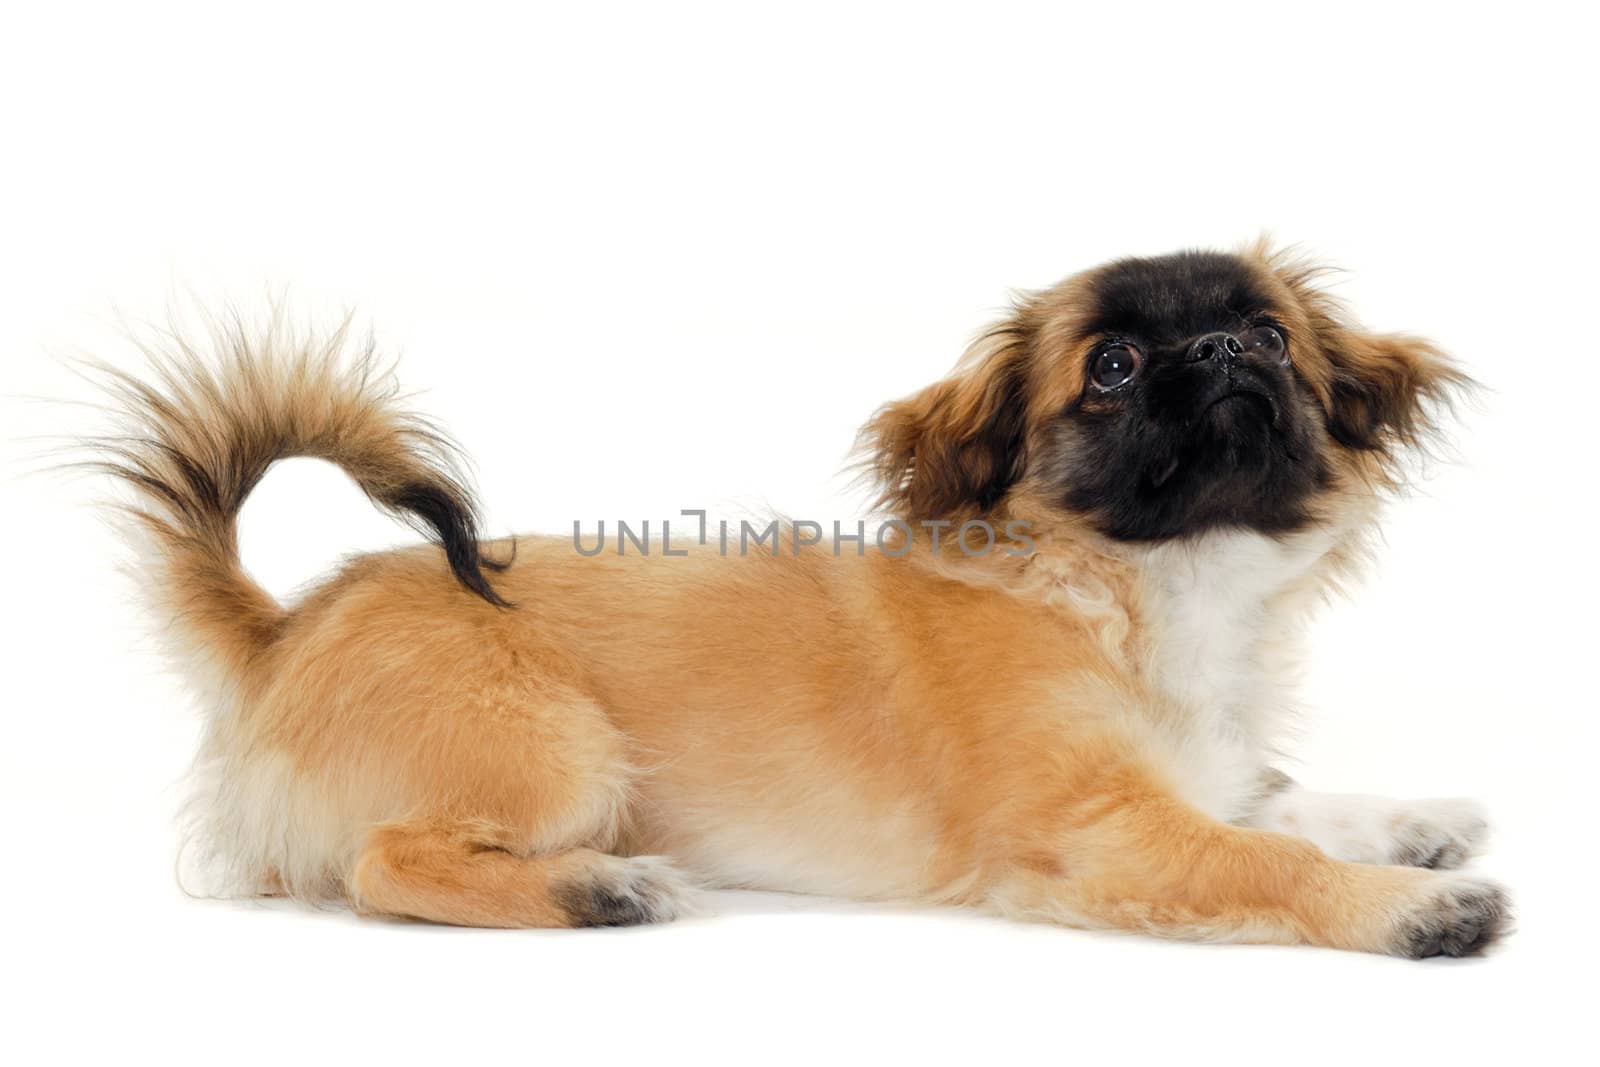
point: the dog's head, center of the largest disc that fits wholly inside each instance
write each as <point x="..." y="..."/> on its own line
<point x="1163" y="398"/>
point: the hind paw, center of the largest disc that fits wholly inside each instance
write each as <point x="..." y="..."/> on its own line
<point x="628" y="892"/>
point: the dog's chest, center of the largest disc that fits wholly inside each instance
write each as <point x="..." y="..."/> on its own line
<point x="1209" y="651"/>
<point x="1205" y="611"/>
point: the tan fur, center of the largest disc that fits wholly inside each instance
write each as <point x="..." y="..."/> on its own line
<point x="992" y="732"/>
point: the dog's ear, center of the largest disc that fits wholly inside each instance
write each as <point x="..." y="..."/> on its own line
<point x="1384" y="389"/>
<point x="1379" y="390"/>
<point x="957" y="446"/>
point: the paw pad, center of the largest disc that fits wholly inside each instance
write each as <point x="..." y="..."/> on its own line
<point x="1462" y="920"/>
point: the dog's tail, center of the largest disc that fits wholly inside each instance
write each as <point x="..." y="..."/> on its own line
<point x="202" y="428"/>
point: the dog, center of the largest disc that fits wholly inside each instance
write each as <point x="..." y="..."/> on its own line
<point x="1170" y="461"/>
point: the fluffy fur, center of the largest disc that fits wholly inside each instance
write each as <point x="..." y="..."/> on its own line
<point x="1082" y="733"/>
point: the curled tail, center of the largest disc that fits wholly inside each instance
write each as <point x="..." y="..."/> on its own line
<point x="201" y="430"/>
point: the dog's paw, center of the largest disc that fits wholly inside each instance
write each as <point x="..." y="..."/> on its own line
<point x="629" y="892"/>
<point x="1460" y="916"/>
<point x="1437" y="833"/>
<point x="1366" y="829"/>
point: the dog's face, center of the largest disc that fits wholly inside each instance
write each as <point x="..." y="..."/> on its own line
<point x="1163" y="398"/>
<point x="1190" y="414"/>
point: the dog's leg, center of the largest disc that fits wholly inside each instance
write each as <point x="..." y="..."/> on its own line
<point x="1370" y="829"/>
<point x="1130" y="855"/>
<point x="472" y="874"/>
<point x="518" y="791"/>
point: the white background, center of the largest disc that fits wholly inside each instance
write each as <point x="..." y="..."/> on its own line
<point x="648" y="259"/>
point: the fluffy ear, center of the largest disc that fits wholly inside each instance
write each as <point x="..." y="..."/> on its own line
<point x="956" y="446"/>
<point x="1385" y="389"/>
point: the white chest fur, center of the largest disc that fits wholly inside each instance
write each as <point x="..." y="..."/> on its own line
<point x="1218" y="651"/>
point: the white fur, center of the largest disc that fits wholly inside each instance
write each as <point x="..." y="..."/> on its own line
<point x="1217" y="654"/>
<point x="1224" y="612"/>
<point x="1367" y="829"/>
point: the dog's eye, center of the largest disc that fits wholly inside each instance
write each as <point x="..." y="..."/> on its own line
<point x="1114" y="365"/>
<point x="1266" y="341"/>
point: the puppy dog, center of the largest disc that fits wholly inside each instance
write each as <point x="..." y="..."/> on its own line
<point x="1176" y="458"/>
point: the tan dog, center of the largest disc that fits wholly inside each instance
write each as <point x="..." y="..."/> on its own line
<point x="1167" y="461"/>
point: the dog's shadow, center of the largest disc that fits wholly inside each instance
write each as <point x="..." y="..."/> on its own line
<point x="708" y="905"/>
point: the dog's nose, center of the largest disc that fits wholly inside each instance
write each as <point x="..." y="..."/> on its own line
<point x="1215" y="346"/>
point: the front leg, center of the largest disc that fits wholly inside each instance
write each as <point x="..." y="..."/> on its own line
<point x="1116" y="848"/>
<point x="1370" y="829"/>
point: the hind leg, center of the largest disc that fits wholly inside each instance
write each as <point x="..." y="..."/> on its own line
<point x="470" y="874"/>
<point x="516" y="795"/>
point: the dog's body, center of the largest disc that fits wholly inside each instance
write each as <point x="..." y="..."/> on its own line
<point x="1082" y="731"/>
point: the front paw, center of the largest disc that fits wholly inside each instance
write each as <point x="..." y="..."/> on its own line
<point x="1461" y="916"/>
<point x="1437" y="833"/>
<point x="1378" y="830"/>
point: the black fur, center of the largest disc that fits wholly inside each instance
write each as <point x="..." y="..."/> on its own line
<point x="594" y="904"/>
<point x="990" y="463"/>
<point x="1177" y="297"/>
<point x="1189" y="446"/>
<point x="451" y="520"/>
<point x="1466" y="922"/>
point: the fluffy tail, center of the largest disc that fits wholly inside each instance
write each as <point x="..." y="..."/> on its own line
<point x="200" y="431"/>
